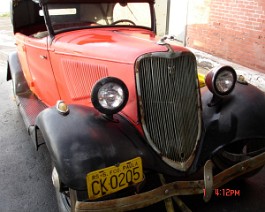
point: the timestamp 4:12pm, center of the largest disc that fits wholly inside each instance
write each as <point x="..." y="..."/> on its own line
<point x="224" y="192"/>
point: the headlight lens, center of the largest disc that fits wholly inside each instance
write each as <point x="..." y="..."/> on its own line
<point x="221" y="81"/>
<point x="224" y="81"/>
<point x="109" y="95"/>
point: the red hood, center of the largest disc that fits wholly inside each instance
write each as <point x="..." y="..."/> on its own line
<point x="114" y="44"/>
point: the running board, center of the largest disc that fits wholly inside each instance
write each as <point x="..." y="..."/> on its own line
<point x="30" y="107"/>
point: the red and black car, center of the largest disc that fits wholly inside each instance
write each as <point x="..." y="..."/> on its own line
<point x="122" y="112"/>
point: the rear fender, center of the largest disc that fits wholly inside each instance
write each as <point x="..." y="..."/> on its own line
<point x="14" y="72"/>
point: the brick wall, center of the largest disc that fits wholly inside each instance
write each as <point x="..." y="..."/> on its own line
<point x="231" y="29"/>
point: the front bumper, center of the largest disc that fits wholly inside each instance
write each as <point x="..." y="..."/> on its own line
<point x="206" y="186"/>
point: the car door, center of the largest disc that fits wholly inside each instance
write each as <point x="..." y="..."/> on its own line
<point x="43" y="82"/>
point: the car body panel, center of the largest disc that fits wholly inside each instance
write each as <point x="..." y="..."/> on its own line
<point x="39" y="61"/>
<point x="168" y="117"/>
<point x="20" y="42"/>
<point x="117" y="45"/>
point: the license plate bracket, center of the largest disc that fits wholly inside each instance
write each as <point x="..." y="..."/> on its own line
<point x="114" y="178"/>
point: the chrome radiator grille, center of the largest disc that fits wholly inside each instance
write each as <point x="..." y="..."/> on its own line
<point x="170" y="105"/>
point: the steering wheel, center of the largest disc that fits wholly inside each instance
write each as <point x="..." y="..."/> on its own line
<point x="123" y="20"/>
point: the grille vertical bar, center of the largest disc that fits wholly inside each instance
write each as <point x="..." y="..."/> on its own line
<point x="169" y="102"/>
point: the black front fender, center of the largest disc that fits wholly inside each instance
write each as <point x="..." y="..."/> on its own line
<point x="242" y="113"/>
<point x="84" y="141"/>
<point x="237" y="117"/>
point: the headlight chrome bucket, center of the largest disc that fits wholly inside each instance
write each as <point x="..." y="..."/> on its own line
<point x="221" y="81"/>
<point x="109" y="95"/>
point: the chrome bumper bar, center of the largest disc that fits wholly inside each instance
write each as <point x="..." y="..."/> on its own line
<point x="163" y="192"/>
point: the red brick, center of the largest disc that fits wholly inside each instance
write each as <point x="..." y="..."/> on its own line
<point x="235" y="31"/>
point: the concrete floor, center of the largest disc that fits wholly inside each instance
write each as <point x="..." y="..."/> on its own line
<point x="25" y="175"/>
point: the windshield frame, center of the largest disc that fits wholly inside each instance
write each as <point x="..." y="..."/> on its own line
<point x="54" y="32"/>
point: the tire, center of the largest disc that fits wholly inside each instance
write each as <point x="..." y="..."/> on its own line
<point x="63" y="197"/>
<point x="238" y="152"/>
<point x="63" y="201"/>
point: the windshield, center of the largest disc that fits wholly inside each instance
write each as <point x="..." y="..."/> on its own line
<point x="69" y="16"/>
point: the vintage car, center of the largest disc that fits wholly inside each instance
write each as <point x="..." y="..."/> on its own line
<point x="125" y="116"/>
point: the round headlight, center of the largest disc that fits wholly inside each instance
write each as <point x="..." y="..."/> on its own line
<point x="109" y="95"/>
<point x="221" y="81"/>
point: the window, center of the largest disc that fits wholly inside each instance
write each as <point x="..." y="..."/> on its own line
<point x="139" y="13"/>
<point x="87" y="15"/>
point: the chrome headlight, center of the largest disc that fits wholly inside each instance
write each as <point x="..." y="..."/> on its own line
<point x="109" y="95"/>
<point x="221" y="81"/>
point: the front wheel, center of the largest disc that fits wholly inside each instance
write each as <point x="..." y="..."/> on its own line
<point x="63" y="201"/>
<point x="238" y="152"/>
<point x="62" y="194"/>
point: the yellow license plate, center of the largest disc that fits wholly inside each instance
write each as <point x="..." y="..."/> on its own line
<point x="114" y="178"/>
